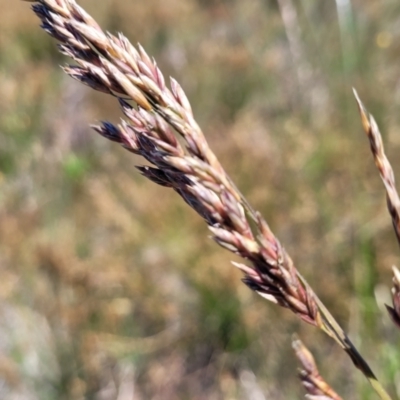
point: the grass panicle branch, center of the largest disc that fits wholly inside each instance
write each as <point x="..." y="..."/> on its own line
<point x="314" y="384"/>
<point x="110" y="64"/>
<point x="394" y="311"/>
<point x="382" y="163"/>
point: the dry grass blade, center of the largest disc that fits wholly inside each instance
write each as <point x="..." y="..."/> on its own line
<point x="112" y="65"/>
<point x="313" y="382"/>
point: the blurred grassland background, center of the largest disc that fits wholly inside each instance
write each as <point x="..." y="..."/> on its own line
<point x="109" y="285"/>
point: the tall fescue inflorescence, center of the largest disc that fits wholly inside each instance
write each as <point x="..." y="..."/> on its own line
<point x="155" y="114"/>
<point x="313" y="382"/>
<point x="112" y="65"/>
<point x="392" y="197"/>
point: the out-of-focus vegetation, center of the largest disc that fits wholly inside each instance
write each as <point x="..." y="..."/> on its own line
<point x="109" y="285"/>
